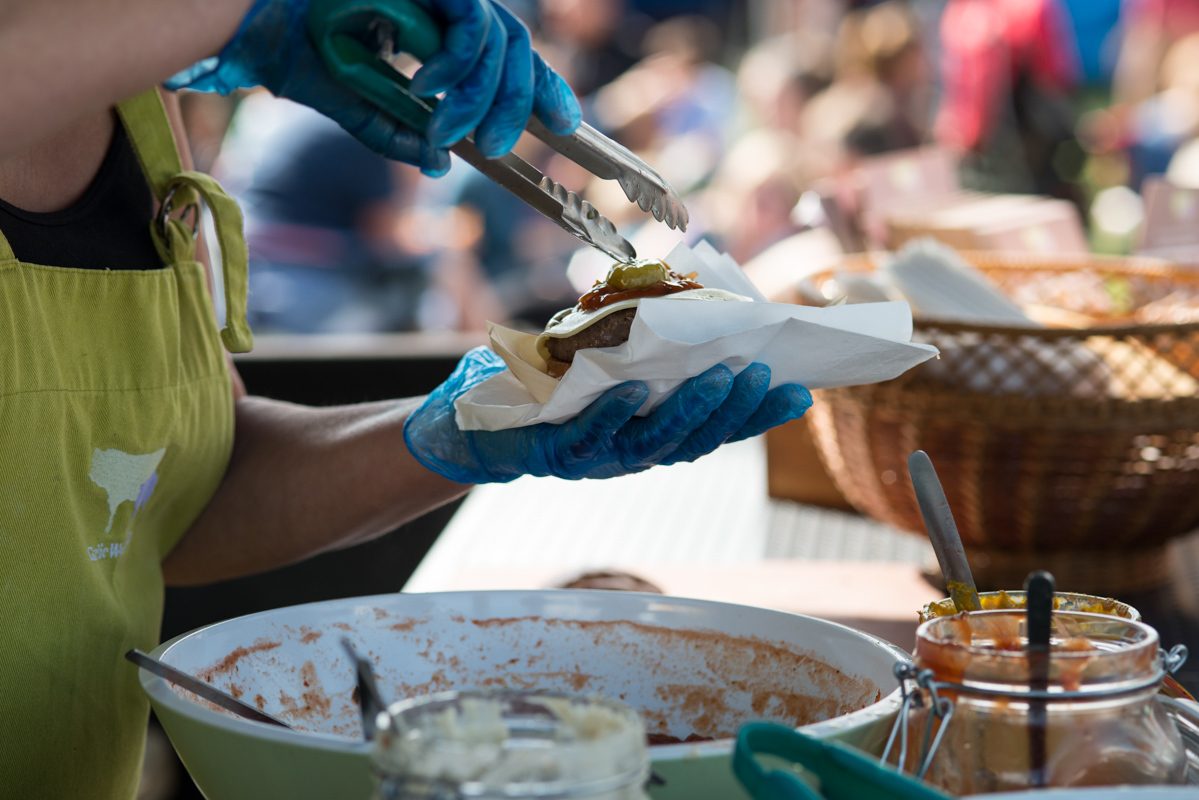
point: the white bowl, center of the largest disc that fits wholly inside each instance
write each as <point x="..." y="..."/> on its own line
<point x="689" y="666"/>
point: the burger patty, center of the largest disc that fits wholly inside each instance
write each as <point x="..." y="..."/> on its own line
<point x="607" y="332"/>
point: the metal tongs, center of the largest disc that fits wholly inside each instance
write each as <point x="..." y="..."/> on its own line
<point x="397" y="27"/>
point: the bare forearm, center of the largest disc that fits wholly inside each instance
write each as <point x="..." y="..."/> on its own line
<point x="63" y="59"/>
<point x="1136" y="71"/>
<point x="303" y="481"/>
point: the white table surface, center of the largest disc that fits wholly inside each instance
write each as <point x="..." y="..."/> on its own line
<point x="704" y="530"/>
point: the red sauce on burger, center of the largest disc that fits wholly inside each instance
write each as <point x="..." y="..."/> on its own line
<point x="614" y="290"/>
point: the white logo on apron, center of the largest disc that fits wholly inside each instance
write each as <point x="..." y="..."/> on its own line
<point x="125" y="478"/>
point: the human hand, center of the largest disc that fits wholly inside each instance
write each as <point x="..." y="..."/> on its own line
<point x="606" y="439"/>
<point x="492" y="80"/>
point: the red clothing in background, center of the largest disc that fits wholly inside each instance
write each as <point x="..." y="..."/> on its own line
<point x="1177" y="17"/>
<point x="986" y="45"/>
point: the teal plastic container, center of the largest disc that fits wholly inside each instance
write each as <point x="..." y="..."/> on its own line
<point x="831" y="770"/>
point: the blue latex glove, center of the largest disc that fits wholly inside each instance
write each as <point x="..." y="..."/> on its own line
<point x="491" y="77"/>
<point x="606" y="439"/>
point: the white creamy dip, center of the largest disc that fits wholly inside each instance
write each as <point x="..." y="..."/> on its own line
<point x="513" y="744"/>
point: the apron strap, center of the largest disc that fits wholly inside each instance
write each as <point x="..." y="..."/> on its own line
<point x="174" y="235"/>
<point x="145" y="119"/>
<point x="178" y="237"/>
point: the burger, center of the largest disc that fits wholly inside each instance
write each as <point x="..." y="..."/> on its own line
<point x="604" y="315"/>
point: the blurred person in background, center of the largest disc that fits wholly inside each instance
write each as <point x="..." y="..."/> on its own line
<point x="675" y="106"/>
<point x="879" y="99"/>
<point x="322" y="217"/>
<point x="1181" y="75"/>
<point x="1007" y="69"/>
<point x="716" y="10"/>
<point x="1161" y="124"/>
<point x="1154" y="106"/>
<point x="753" y="195"/>
<point x="1151" y="27"/>
<point x="596" y="40"/>
<point x="778" y="76"/>
<point x="498" y="260"/>
<point x="1148" y="122"/>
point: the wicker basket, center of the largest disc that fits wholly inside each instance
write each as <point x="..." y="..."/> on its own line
<point x="1073" y="450"/>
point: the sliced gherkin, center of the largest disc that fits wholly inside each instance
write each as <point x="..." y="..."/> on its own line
<point x="638" y="275"/>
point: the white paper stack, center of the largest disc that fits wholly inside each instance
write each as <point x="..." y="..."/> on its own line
<point x="673" y="340"/>
<point x="941" y="285"/>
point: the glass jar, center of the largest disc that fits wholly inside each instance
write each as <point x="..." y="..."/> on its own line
<point x="510" y="744"/>
<point x="977" y="726"/>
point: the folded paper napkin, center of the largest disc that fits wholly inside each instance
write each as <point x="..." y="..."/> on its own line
<point x="939" y="284"/>
<point x="672" y="340"/>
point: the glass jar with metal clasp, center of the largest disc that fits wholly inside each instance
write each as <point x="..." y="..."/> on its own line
<point x="510" y="744"/>
<point x="974" y="718"/>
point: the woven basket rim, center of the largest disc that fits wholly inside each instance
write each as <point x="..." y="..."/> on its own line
<point x="1116" y="331"/>
<point x="1050" y="262"/>
<point x="966" y="404"/>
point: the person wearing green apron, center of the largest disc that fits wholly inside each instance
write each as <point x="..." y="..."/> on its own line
<point x="131" y="455"/>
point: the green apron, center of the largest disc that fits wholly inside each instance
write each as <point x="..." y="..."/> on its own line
<point x="116" y="424"/>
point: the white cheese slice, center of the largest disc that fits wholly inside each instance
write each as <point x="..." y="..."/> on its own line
<point x="568" y="322"/>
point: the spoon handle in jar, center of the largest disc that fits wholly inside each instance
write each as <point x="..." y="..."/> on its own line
<point x="1039" y="588"/>
<point x="943" y="532"/>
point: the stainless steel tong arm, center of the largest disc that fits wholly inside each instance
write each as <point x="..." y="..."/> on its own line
<point x="612" y="161"/>
<point x="560" y="205"/>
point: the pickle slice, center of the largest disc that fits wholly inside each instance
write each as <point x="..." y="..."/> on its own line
<point x="638" y="275"/>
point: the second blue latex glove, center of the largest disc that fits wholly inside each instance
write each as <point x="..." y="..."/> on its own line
<point x="606" y="439"/>
<point x="492" y="80"/>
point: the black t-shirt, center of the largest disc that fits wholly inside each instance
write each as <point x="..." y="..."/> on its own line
<point x="107" y="228"/>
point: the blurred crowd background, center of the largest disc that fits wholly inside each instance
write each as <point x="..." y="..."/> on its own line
<point x="767" y="115"/>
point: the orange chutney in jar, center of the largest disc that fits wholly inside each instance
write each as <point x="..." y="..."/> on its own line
<point x="1016" y="599"/>
<point x="1097" y="724"/>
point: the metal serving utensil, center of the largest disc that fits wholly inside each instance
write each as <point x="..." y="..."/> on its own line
<point x="609" y="160"/>
<point x="552" y="200"/>
<point x="943" y="532"/>
<point x="403" y="27"/>
<point x="1038" y="588"/>
<point x="204" y="690"/>
<point x="370" y="700"/>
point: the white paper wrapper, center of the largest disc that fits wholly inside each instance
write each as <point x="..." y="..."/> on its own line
<point x="673" y="340"/>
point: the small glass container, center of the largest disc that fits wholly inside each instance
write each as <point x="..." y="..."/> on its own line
<point x="977" y="726"/>
<point x="510" y="744"/>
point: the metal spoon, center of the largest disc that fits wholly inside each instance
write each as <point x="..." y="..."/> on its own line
<point x="370" y="701"/>
<point x="1038" y="588"/>
<point x="943" y="532"/>
<point x="204" y="690"/>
